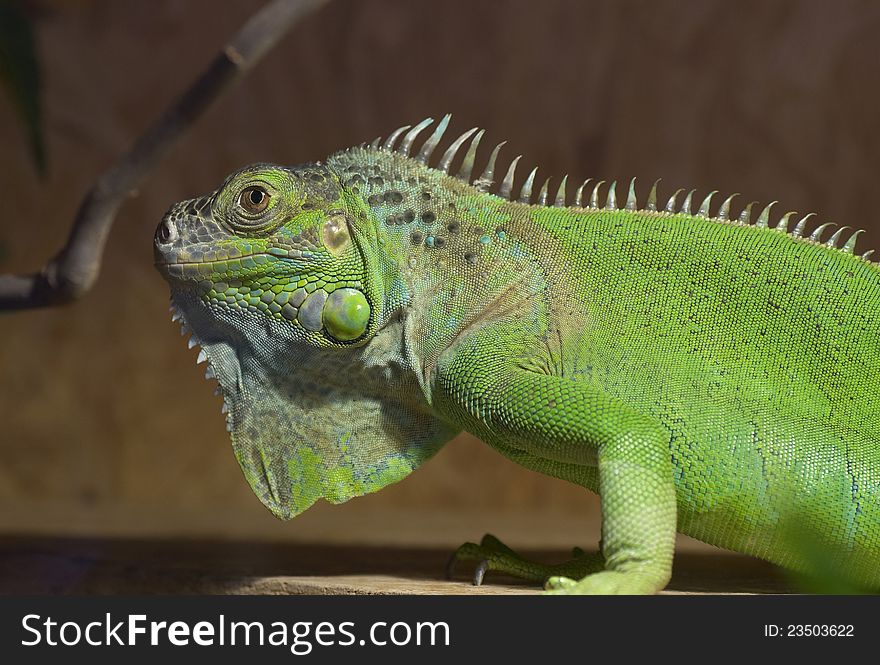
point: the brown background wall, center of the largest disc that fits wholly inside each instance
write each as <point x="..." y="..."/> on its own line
<point x="106" y="425"/>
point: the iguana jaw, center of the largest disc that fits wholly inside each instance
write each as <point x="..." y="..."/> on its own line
<point x="196" y="271"/>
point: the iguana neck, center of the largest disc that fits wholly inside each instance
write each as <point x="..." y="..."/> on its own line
<point x="443" y="249"/>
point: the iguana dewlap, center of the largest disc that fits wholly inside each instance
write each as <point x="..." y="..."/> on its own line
<point x="703" y="373"/>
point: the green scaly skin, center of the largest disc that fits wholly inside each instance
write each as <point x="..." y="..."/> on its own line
<point x="714" y="377"/>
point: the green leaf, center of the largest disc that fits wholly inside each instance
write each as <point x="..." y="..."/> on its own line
<point x="20" y="75"/>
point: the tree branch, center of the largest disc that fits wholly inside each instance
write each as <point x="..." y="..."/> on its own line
<point x="73" y="271"/>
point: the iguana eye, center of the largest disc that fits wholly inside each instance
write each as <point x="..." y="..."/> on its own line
<point x="254" y="199"/>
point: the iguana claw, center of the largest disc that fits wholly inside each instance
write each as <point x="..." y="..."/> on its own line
<point x="480" y="572"/>
<point x="492" y="554"/>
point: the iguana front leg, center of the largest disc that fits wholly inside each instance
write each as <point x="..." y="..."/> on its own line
<point x="637" y="497"/>
<point x="566" y="424"/>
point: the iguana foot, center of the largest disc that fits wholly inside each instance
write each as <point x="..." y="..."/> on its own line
<point x="492" y="554"/>
<point x="607" y="582"/>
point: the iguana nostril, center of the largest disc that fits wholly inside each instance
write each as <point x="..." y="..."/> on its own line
<point x="167" y="232"/>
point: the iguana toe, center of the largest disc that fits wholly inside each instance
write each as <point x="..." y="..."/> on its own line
<point x="492" y="554"/>
<point x="607" y="582"/>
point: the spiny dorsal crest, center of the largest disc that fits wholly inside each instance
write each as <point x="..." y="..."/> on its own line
<point x="486" y="180"/>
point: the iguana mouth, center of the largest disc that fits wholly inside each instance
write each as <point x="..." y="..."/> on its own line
<point x="205" y="263"/>
<point x="196" y="269"/>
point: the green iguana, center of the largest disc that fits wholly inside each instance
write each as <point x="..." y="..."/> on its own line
<point x="701" y="373"/>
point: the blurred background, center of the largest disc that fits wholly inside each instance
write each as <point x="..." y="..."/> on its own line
<point x="107" y="427"/>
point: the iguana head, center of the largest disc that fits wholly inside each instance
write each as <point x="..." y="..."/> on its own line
<point x="275" y="243"/>
<point x="279" y="276"/>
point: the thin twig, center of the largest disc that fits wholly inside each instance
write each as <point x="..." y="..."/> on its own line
<point x="75" y="268"/>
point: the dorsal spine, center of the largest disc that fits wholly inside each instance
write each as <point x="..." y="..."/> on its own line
<point x="485" y="181"/>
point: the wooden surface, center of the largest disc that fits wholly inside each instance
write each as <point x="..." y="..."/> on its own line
<point x="31" y="565"/>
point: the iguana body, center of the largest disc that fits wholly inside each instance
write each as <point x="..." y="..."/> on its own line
<point x="714" y="376"/>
